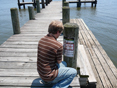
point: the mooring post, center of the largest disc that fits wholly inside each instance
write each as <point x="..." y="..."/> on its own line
<point x="34" y="3"/>
<point x="66" y="14"/>
<point x="46" y="2"/>
<point x="24" y="4"/>
<point x="31" y="13"/>
<point x="79" y="3"/>
<point x="63" y="2"/>
<point x="19" y="4"/>
<point x="92" y="4"/>
<point x="71" y="32"/>
<point x="38" y="6"/>
<point x="43" y="4"/>
<point x="95" y="2"/>
<point x="15" y="20"/>
<point x="66" y="4"/>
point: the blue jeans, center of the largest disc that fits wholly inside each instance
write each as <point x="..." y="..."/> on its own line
<point x="65" y="76"/>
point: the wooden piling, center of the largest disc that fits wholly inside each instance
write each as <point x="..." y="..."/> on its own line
<point x="95" y="3"/>
<point x="66" y="4"/>
<point x="46" y="2"/>
<point x="15" y="20"/>
<point x="19" y="4"/>
<point x="38" y="6"/>
<point x="24" y="4"/>
<point x="63" y="2"/>
<point x="34" y="4"/>
<point x="43" y="4"/>
<point x="31" y="13"/>
<point x="66" y="14"/>
<point x="79" y="3"/>
<point x="71" y="32"/>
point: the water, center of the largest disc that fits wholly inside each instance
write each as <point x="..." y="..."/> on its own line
<point x="102" y="21"/>
<point x="6" y="29"/>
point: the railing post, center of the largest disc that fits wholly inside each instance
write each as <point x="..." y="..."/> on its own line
<point x="15" y="20"/>
<point x="24" y="4"/>
<point x="38" y="6"/>
<point x="46" y="2"/>
<point x="34" y="4"/>
<point x="71" y="32"/>
<point x="79" y="3"/>
<point x="66" y="14"/>
<point x="43" y="4"/>
<point x="19" y="4"/>
<point x="95" y="2"/>
<point x="31" y="13"/>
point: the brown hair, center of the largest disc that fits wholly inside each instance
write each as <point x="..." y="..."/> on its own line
<point x="55" y="26"/>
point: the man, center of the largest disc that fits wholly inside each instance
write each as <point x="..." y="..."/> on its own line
<point x="50" y="66"/>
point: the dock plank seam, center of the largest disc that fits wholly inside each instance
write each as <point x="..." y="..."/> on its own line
<point x="102" y="66"/>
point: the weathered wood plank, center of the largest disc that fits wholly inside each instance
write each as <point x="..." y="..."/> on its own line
<point x="29" y="81"/>
<point x="98" y="65"/>
<point x="18" y="50"/>
<point x="84" y="58"/>
<point x="32" y="46"/>
<point x="17" y="65"/>
<point x="93" y="50"/>
<point x="18" y="72"/>
<point x="105" y="56"/>
<point x="105" y="66"/>
<point x="17" y="54"/>
<point x="82" y="41"/>
<point x="19" y="59"/>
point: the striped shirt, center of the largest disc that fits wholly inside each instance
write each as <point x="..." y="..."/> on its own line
<point x="49" y="53"/>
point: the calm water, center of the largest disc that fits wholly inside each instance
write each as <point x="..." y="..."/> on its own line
<point x="102" y="21"/>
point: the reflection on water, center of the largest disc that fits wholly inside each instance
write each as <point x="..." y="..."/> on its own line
<point x="102" y="21"/>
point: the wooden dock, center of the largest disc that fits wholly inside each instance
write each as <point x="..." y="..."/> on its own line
<point x="79" y="2"/>
<point x="103" y="68"/>
<point x="33" y="2"/>
<point x="18" y="55"/>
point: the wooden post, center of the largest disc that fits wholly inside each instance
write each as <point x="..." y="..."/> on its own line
<point x="79" y="4"/>
<point x="31" y="13"/>
<point x="92" y="4"/>
<point x="43" y="4"/>
<point x="95" y="2"/>
<point x="34" y="3"/>
<point x="63" y="2"/>
<point x="46" y="2"/>
<point x="71" y="32"/>
<point x="66" y="4"/>
<point x="66" y="14"/>
<point x="15" y="20"/>
<point x="19" y="4"/>
<point x="38" y="6"/>
<point x="24" y="4"/>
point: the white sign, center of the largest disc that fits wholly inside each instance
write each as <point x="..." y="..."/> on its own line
<point x="69" y="47"/>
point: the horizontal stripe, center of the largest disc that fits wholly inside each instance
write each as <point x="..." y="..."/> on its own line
<point x="49" y="53"/>
<point x="50" y="43"/>
<point x="44" y="45"/>
<point x="54" y="41"/>
<point x="46" y="49"/>
<point x="45" y="57"/>
<point x="45" y="60"/>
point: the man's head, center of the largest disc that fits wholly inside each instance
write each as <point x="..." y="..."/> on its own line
<point x="55" y="26"/>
